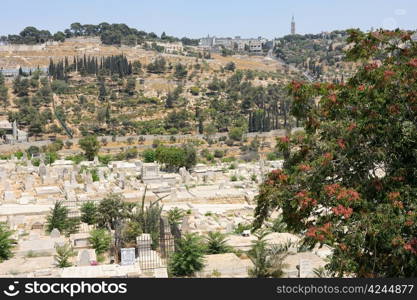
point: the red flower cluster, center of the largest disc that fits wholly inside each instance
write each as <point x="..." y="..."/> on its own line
<point x="283" y="177"/>
<point x="348" y="194"/>
<point x="342" y="193"/>
<point x="371" y="66"/>
<point x="328" y="156"/>
<point x="413" y="62"/>
<point x="304" y="168"/>
<point x="304" y="200"/>
<point x="341" y="143"/>
<point x="319" y="233"/>
<point x="284" y="139"/>
<point x="411" y="246"/>
<point x="397" y="241"/>
<point x="398" y="204"/>
<point x="333" y="98"/>
<point x="361" y="88"/>
<point x="341" y="210"/>
<point x="393" y="195"/>
<point x="388" y="74"/>
<point x="276" y="172"/>
<point x="342" y="247"/>
<point x="277" y="175"/>
<point x="296" y="85"/>
<point x="352" y="126"/>
<point x="332" y="189"/>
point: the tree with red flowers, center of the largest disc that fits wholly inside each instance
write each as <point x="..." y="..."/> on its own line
<point x="350" y="181"/>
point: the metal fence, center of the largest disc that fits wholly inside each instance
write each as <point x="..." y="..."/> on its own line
<point x="155" y="250"/>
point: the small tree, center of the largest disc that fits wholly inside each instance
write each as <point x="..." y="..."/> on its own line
<point x="216" y="243"/>
<point x="6" y="243"/>
<point x="111" y="211"/>
<point x="57" y="218"/>
<point x="100" y="240"/>
<point x="89" y="213"/>
<point x="231" y="66"/>
<point x="268" y="261"/>
<point x="90" y="145"/>
<point x="149" y="155"/>
<point x="62" y="256"/>
<point x="188" y="258"/>
<point x="236" y="134"/>
<point x="175" y="216"/>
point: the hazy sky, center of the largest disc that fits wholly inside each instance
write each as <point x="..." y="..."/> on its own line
<point x="197" y="18"/>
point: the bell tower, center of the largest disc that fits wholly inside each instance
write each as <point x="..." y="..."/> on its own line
<point x="292" y="25"/>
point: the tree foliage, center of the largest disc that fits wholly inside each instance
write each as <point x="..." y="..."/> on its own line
<point x="6" y="243"/>
<point x="188" y="257"/>
<point x="350" y="180"/>
<point x="90" y="145"/>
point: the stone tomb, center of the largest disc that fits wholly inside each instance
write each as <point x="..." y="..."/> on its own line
<point x="80" y="240"/>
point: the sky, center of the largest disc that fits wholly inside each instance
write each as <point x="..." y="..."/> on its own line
<point x="198" y="18"/>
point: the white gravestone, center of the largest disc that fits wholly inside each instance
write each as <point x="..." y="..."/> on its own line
<point x="128" y="256"/>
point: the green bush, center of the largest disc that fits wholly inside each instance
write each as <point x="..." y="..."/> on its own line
<point x="242" y="227"/>
<point x="63" y="255"/>
<point x="104" y="159"/>
<point x="188" y="257"/>
<point x="89" y="213"/>
<point x="36" y="162"/>
<point x="60" y="87"/>
<point x="236" y="134"/>
<point x="218" y="153"/>
<point x="100" y="240"/>
<point x="18" y="154"/>
<point x="216" y="243"/>
<point x="57" y="218"/>
<point x="90" y="145"/>
<point x="149" y="156"/>
<point x="6" y="243"/>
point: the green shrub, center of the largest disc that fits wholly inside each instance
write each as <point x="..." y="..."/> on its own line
<point x="241" y="227"/>
<point x="63" y="255"/>
<point x="89" y="213"/>
<point x="18" y="154"/>
<point x="149" y="156"/>
<point x="100" y="240"/>
<point x="188" y="257"/>
<point x="57" y="218"/>
<point x="36" y="162"/>
<point x="104" y="159"/>
<point x="236" y="134"/>
<point x="218" y="153"/>
<point x="6" y="243"/>
<point x="216" y="243"/>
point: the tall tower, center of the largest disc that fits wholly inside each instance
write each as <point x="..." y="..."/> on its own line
<point x="292" y="25"/>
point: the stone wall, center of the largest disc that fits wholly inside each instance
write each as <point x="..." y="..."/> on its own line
<point x="21" y="48"/>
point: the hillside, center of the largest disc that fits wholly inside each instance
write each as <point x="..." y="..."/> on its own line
<point x="321" y="56"/>
<point x="188" y="95"/>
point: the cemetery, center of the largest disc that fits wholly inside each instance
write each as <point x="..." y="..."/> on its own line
<point x="198" y="203"/>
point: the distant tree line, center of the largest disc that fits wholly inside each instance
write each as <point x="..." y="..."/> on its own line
<point x="110" y="34"/>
